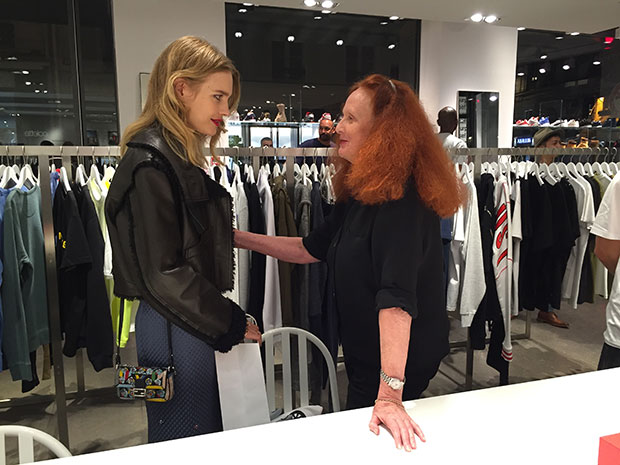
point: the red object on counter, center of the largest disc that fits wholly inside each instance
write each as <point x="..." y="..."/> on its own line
<point x="609" y="450"/>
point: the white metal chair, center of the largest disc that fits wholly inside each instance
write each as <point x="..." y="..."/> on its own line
<point x="303" y="336"/>
<point x="26" y="437"/>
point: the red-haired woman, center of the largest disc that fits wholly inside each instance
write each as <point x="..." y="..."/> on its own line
<point x="383" y="247"/>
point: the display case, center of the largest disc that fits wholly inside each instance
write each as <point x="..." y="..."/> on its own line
<point x="523" y="136"/>
<point x="250" y="133"/>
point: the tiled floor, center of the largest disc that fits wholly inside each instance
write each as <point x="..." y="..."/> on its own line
<point x="103" y="423"/>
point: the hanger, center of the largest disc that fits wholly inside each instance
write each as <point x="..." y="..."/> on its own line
<point x="26" y="176"/>
<point x="64" y="178"/>
<point x="276" y="170"/>
<point x="9" y="179"/>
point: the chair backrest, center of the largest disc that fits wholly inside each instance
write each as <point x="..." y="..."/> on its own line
<point x="26" y="437"/>
<point x="303" y="337"/>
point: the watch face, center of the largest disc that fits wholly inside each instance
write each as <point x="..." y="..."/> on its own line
<point x="395" y="384"/>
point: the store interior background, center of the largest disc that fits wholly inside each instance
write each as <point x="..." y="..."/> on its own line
<point x="453" y="55"/>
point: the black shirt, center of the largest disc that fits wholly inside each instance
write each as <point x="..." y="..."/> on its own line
<point x="384" y="256"/>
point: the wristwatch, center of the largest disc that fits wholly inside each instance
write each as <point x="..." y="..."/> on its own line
<point x="394" y="383"/>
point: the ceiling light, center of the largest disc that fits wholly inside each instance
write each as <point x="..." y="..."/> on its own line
<point x="40" y="83"/>
<point x="11" y="58"/>
<point x="566" y="67"/>
<point x="309" y="3"/>
<point x="493" y="98"/>
<point x="520" y="74"/>
<point x="327" y="4"/>
<point x="45" y="91"/>
<point x="318" y="17"/>
<point x="291" y="38"/>
<point x="340" y="42"/>
<point x="267" y="101"/>
<point x="383" y="23"/>
<point x="542" y="70"/>
<point x="392" y="46"/>
<point x="36" y="91"/>
<point x="596" y="63"/>
<point x="520" y="29"/>
<point x="477" y="17"/>
<point x="292" y="95"/>
<point x="326" y="12"/>
<point x="559" y="38"/>
<point x="248" y="4"/>
<point x="243" y="10"/>
<point x="238" y="34"/>
<point x="394" y="18"/>
<point x="25" y="72"/>
<point x="490" y="19"/>
<point x="28" y="83"/>
<point x="574" y="33"/>
<point x="543" y="57"/>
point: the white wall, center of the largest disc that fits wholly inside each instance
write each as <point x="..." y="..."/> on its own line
<point x="143" y="28"/>
<point x="455" y="56"/>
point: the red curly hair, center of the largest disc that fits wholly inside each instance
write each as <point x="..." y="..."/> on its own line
<point x="401" y="145"/>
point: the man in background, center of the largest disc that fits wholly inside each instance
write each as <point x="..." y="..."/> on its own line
<point x="447" y="121"/>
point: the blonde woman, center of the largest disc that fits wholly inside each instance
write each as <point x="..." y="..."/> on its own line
<point x="171" y="231"/>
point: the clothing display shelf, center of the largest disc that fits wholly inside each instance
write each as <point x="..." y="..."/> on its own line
<point x="608" y="135"/>
<point x="45" y="156"/>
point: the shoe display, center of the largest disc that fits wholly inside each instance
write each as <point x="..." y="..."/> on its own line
<point x="544" y="122"/>
<point x="571" y="144"/>
<point x="594" y="143"/>
<point x="610" y="123"/>
<point x="583" y="143"/>
<point x="533" y="121"/>
<point x="552" y="319"/>
<point x="572" y="124"/>
<point x="521" y="122"/>
<point x="556" y="123"/>
<point x="585" y="123"/>
<point x="596" y="124"/>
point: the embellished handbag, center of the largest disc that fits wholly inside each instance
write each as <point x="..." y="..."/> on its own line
<point x="136" y="382"/>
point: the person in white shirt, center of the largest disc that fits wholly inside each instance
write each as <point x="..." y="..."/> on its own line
<point x="447" y="121"/>
<point x="606" y="228"/>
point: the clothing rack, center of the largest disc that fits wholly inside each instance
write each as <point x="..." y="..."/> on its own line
<point x="45" y="155"/>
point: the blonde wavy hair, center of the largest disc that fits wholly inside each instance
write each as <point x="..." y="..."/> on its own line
<point x="193" y="59"/>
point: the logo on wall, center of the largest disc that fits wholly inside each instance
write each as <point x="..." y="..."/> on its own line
<point x="35" y="133"/>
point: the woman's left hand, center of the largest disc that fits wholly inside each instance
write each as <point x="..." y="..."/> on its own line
<point x="398" y="422"/>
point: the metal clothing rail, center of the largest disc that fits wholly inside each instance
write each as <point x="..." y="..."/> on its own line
<point x="45" y="155"/>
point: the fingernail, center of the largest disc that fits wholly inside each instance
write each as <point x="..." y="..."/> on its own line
<point x="399" y="447"/>
<point x="408" y="449"/>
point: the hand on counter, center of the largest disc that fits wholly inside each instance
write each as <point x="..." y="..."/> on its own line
<point x="392" y="414"/>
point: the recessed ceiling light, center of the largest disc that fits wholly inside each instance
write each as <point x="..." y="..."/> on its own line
<point x="520" y="29"/>
<point x="267" y="101"/>
<point x="238" y="34"/>
<point x="596" y="63"/>
<point x="45" y="91"/>
<point x="566" y="67"/>
<point x="36" y="91"/>
<point x="28" y="83"/>
<point x="558" y="37"/>
<point x="574" y="33"/>
<point x="490" y="19"/>
<point x="40" y="83"/>
<point x="383" y="23"/>
<point x="326" y="12"/>
<point x="309" y="3"/>
<point x="248" y="4"/>
<point x="542" y="70"/>
<point x="243" y="10"/>
<point x="25" y="72"/>
<point x="493" y="98"/>
<point x="543" y="57"/>
<point x="520" y="74"/>
<point x="327" y="4"/>
<point x="392" y="46"/>
<point x="318" y="17"/>
<point x="477" y="17"/>
<point x="394" y="18"/>
<point x="291" y="38"/>
<point x="340" y="42"/>
<point x="11" y="58"/>
<point x="292" y="95"/>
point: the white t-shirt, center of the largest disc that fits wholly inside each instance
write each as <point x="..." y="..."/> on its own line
<point x="450" y="141"/>
<point x="607" y="226"/>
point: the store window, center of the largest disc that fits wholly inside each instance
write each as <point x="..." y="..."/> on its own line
<point x="307" y="62"/>
<point x="568" y="80"/>
<point x="57" y="73"/>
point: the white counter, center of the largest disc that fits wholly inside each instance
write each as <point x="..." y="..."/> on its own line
<point x="555" y="421"/>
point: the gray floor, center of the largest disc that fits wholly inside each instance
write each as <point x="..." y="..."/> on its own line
<point x="105" y="423"/>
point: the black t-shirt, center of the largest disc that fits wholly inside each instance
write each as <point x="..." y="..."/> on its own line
<point x="384" y="256"/>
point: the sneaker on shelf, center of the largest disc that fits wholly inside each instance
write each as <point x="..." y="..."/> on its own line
<point x="596" y="124"/>
<point x="521" y="122"/>
<point x="557" y="123"/>
<point x="544" y="122"/>
<point x="564" y="123"/>
<point x="533" y="121"/>
<point x="610" y="123"/>
<point x="585" y="123"/>
<point x="572" y="124"/>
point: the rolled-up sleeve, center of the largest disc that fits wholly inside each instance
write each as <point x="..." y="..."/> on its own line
<point x="396" y="250"/>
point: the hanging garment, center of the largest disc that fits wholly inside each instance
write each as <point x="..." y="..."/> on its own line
<point x="96" y="326"/>
<point x="517" y="237"/>
<point x="24" y="291"/>
<point x="502" y="258"/>
<point x="272" y="310"/>
<point x="243" y="255"/>
<point x="285" y="226"/>
<point x="303" y="206"/>
<point x="601" y="275"/>
<point x="465" y="288"/>
<point x="257" y="260"/>
<point x="3" y="195"/>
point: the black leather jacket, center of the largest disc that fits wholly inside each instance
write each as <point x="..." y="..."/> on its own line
<point x="170" y="227"/>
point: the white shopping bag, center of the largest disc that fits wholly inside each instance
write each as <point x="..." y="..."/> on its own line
<point x="243" y="397"/>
